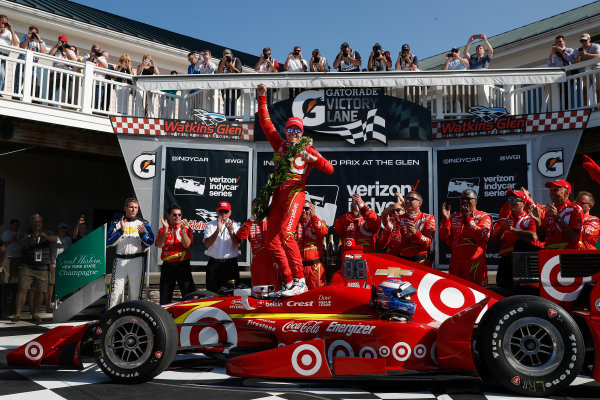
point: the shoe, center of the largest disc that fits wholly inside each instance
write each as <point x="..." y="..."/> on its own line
<point x="298" y="286"/>
<point x="36" y="319"/>
<point x="15" y="319"/>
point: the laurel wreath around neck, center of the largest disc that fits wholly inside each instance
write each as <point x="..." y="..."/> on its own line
<point x="283" y="165"/>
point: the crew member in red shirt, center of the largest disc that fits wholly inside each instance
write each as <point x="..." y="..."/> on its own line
<point x="309" y="234"/>
<point x="175" y="238"/>
<point x="263" y="270"/>
<point x="288" y="198"/>
<point x="409" y="235"/>
<point x="511" y="230"/>
<point x="563" y="220"/>
<point x="591" y="224"/>
<point x="467" y="233"/>
<point x="360" y="223"/>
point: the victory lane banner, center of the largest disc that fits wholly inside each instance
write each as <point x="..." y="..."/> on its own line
<point x="374" y="176"/>
<point x="487" y="170"/>
<point x="82" y="263"/>
<point x="197" y="180"/>
<point x="356" y="115"/>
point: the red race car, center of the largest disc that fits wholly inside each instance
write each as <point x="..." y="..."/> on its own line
<point x="380" y="316"/>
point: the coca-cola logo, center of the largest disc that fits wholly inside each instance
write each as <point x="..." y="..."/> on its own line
<point x="302" y="327"/>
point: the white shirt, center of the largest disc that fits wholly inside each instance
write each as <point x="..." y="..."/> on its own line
<point x="203" y="68"/>
<point x="223" y="247"/>
<point x="295" y="65"/>
<point x="12" y="250"/>
<point x="6" y="39"/>
<point x="61" y="245"/>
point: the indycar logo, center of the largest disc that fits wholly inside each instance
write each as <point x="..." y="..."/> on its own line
<point x="302" y="327"/>
<point x="185" y="185"/>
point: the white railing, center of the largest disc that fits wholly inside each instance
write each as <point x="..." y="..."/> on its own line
<point x="51" y="81"/>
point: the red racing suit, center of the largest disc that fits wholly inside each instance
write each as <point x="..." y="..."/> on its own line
<point x="522" y="222"/>
<point x="468" y="244"/>
<point x="173" y="250"/>
<point x="363" y="229"/>
<point x="414" y="248"/>
<point x="572" y="214"/>
<point x="591" y="231"/>
<point x="309" y="236"/>
<point x="287" y="201"/>
<point x="263" y="270"/>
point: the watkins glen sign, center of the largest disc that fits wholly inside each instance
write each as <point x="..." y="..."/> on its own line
<point x="356" y="115"/>
<point x="497" y="121"/>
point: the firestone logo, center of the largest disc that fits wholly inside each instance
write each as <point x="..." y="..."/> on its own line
<point x="302" y="327"/>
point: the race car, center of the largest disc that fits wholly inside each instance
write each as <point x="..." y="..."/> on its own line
<point x="380" y="316"/>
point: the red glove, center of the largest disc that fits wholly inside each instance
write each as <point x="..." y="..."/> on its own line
<point x="592" y="168"/>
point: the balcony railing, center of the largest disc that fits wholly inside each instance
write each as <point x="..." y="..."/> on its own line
<point x="43" y="79"/>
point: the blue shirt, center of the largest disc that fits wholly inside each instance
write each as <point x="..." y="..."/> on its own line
<point x="479" y="63"/>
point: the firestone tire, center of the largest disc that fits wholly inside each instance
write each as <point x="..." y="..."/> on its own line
<point x="135" y="341"/>
<point x="532" y="345"/>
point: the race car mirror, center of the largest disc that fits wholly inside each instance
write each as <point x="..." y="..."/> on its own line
<point x="355" y="269"/>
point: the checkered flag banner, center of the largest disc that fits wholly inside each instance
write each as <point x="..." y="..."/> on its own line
<point x="205" y="215"/>
<point x="208" y="118"/>
<point x="359" y="132"/>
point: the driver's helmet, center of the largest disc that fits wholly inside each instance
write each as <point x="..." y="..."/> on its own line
<point x="394" y="295"/>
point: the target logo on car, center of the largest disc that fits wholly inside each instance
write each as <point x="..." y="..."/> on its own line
<point x="306" y="360"/>
<point x="554" y="284"/>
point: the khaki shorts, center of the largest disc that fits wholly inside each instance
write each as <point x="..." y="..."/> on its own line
<point x="29" y="276"/>
<point x="51" y="276"/>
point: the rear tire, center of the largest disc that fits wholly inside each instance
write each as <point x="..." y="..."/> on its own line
<point x="135" y="341"/>
<point x="532" y="345"/>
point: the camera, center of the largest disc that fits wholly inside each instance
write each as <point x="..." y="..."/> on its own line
<point x="296" y="52"/>
<point x="405" y="53"/>
<point x="266" y="56"/>
<point x="377" y="53"/>
<point x="228" y="59"/>
<point x="316" y="59"/>
<point x="66" y="45"/>
<point x="97" y="53"/>
<point x="6" y="24"/>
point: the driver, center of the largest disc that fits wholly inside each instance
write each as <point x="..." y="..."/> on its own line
<point x="294" y="158"/>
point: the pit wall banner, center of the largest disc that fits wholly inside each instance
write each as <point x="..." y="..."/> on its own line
<point x="487" y="170"/>
<point x="197" y="180"/>
<point x="375" y="175"/>
<point x="356" y="115"/>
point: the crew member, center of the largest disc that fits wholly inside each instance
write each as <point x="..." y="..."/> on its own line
<point x="360" y="223"/>
<point x="296" y="158"/>
<point x="309" y="235"/>
<point x="591" y="224"/>
<point x="467" y="233"/>
<point x="130" y="235"/>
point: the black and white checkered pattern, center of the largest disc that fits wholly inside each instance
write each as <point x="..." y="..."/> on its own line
<point x="205" y="215"/>
<point x="359" y="132"/>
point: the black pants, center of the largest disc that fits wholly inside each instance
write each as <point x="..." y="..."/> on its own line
<point x="219" y="272"/>
<point x="171" y="272"/>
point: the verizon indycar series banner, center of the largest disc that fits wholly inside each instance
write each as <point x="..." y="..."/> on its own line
<point x="376" y="176"/>
<point x="197" y="180"/>
<point x="487" y="170"/>
<point x="353" y="114"/>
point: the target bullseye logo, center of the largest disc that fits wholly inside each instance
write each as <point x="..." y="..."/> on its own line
<point x="367" y="352"/>
<point x="558" y="287"/>
<point x="401" y="351"/>
<point x="442" y="298"/>
<point x="306" y="360"/>
<point x="339" y="348"/>
<point x="384" y="351"/>
<point x="34" y="351"/>
<point x="420" y="351"/>
<point x="206" y="335"/>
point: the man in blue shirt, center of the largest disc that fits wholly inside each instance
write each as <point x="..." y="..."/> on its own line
<point x="479" y="60"/>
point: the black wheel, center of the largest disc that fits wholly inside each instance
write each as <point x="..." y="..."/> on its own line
<point x="135" y="341"/>
<point x="532" y="345"/>
<point x="198" y="294"/>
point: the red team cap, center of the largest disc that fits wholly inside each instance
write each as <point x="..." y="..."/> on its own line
<point x="559" y="183"/>
<point x="223" y="205"/>
<point x="517" y="193"/>
<point x="63" y="38"/>
<point x="295" y="121"/>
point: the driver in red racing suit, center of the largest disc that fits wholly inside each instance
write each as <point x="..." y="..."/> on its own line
<point x="287" y="201"/>
<point x="309" y="234"/>
<point x="360" y="223"/>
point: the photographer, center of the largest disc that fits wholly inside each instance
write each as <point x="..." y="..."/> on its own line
<point x="479" y="60"/>
<point x="318" y="63"/>
<point x="230" y="65"/>
<point x="379" y="60"/>
<point x="560" y="54"/>
<point x="202" y="65"/>
<point x="7" y="38"/>
<point x="95" y="57"/>
<point x="123" y="92"/>
<point x="266" y="63"/>
<point x="454" y="62"/>
<point x="347" y="59"/>
<point x="295" y="62"/>
<point x="406" y="60"/>
<point x="30" y="41"/>
<point x="588" y="50"/>
<point x="147" y="67"/>
<point x="63" y="50"/>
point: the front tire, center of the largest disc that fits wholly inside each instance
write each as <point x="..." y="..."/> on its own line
<point x="532" y="345"/>
<point x="135" y="341"/>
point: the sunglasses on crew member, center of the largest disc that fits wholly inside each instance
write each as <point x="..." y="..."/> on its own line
<point x="410" y="199"/>
<point x="397" y="210"/>
<point x="223" y="211"/>
<point x="513" y="200"/>
<point x="294" y="130"/>
<point x="176" y="215"/>
<point x="467" y="198"/>
<point x="580" y="203"/>
<point x="306" y="208"/>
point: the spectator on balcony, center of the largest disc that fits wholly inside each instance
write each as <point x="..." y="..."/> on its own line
<point x="266" y="63"/>
<point x="110" y="88"/>
<point x="230" y="65"/>
<point x="95" y="57"/>
<point x="201" y="65"/>
<point x="591" y="224"/>
<point x="124" y="92"/>
<point x="318" y="63"/>
<point x="406" y="60"/>
<point x="479" y="60"/>
<point x="347" y="60"/>
<point x="80" y="229"/>
<point x="147" y="67"/>
<point x="30" y="41"/>
<point x="8" y="37"/>
<point x="587" y="51"/>
<point x="379" y="60"/>
<point x="454" y="62"/>
<point x="560" y="54"/>
<point x="295" y="62"/>
<point x="62" y="81"/>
